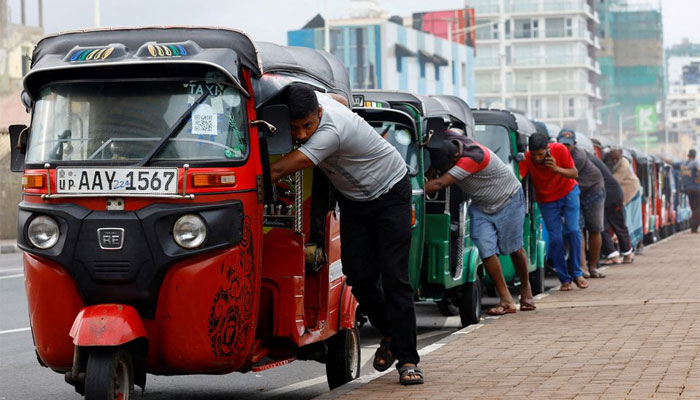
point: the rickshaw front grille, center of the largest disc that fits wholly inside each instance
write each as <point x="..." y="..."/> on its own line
<point x="112" y="270"/>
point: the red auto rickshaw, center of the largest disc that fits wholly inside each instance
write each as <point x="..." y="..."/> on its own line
<point x="154" y="240"/>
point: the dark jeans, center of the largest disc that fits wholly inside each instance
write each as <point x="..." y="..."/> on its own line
<point x="615" y="219"/>
<point x="694" y="200"/>
<point x="375" y="237"/>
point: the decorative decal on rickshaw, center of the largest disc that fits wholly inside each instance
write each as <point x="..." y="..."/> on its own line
<point x="231" y="313"/>
<point x="92" y="54"/>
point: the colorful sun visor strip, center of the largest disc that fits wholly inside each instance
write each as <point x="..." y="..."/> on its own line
<point x="99" y="53"/>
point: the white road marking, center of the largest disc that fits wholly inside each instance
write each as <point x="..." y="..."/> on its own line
<point x="291" y="388"/>
<point x="14" y="330"/>
<point x="11" y="276"/>
<point x="11" y="269"/>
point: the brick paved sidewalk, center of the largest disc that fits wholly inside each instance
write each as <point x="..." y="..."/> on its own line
<point x="632" y="335"/>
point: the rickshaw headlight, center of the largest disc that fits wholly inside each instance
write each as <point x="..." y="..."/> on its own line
<point x="189" y="231"/>
<point x="43" y="232"/>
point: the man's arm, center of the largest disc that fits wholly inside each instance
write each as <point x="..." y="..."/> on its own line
<point x="551" y="162"/>
<point x="289" y="164"/>
<point x="435" y="185"/>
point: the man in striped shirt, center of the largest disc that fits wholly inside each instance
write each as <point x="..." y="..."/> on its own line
<point x="496" y="212"/>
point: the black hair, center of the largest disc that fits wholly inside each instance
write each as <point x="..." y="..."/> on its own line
<point x="538" y="141"/>
<point x="442" y="155"/>
<point x="301" y="101"/>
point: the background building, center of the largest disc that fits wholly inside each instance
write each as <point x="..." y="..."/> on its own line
<point x="539" y="56"/>
<point x="683" y="100"/>
<point x="632" y="65"/>
<point x="381" y="53"/>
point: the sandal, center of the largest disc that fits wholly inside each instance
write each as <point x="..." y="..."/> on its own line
<point x="383" y="353"/>
<point x="565" y="287"/>
<point x="581" y="282"/>
<point x="611" y="261"/>
<point x="596" y="274"/>
<point x="501" y="310"/>
<point x="628" y="259"/>
<point x="527" y="306"/>
<point x="406" y="371"/>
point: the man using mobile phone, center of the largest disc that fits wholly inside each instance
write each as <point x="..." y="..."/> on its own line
<point x="553" y="175"/>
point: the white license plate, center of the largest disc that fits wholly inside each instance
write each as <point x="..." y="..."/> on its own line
<point x="114" y="181"/>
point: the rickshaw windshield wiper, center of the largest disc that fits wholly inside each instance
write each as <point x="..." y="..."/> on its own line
<point x="175" y="129"/>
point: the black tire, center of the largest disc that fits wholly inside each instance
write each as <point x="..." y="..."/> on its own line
<point x="537" y="281"/>
<point x="109" y="374"/>
<point x="470" y="303"/>
<point x="343" y="357"/>
<point x="447" y="308"/>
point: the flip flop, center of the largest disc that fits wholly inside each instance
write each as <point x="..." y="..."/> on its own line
<point x="383" y="354"/>
<point x="565" y="287"/>
<point x="525" y="306"/>
<point x="501" y="310"/>
<point x="596" y="274"/>
<point x="408" y="370"/>
<point x="581" y="282"/>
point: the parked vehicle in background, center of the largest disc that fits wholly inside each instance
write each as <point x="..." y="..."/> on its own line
<point x="444" y="264"/>
<point x="506" y="134"/>
<point x="646" y="172"/>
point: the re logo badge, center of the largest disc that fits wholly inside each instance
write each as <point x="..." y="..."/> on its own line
<point x="110" y="238"/>
<point x="646" y="118"/>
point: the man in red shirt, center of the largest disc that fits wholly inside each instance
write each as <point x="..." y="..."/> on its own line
<point x="553" y="175"/>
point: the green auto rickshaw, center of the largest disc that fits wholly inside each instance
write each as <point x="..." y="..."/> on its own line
<point x="444" y="264"/>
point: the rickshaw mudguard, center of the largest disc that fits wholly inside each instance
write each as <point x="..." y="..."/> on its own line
<point x="471" y="264"/>
<point x="348" y="308"/>
<point x="54" y="302"/>
<point x="107" y="325"/>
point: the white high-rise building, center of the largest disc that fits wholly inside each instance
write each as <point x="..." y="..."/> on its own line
<point x="539" y="57"/>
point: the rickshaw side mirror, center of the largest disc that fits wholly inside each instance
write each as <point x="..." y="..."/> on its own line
<point x="26" y="101"/>
<point x="18" y="146"/>
<point x="275" y="128"/>
<point x="518" y="157"/>
<point x="433" y="125"/>
<point x="521" y="142"/>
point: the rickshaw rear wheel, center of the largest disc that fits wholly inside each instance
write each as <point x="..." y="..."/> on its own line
<point x="343" y="357"/>
<point x="470" y="303"/>
<point x="109" y="375"/>
<point x="537" y="281"/>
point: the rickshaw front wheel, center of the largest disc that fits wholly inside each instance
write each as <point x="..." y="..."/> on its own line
<point x="343" y="357"/>
<point x="109" y="375"/>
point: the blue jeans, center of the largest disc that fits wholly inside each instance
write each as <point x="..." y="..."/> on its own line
<point x="552" y="213"/>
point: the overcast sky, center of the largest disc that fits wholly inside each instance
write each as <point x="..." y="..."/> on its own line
<point x="270" y="20"/>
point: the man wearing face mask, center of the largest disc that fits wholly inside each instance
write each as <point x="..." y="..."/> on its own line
<point x="375" y="224"/>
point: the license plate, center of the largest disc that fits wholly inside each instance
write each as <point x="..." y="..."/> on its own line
<point x="114" y="181"/>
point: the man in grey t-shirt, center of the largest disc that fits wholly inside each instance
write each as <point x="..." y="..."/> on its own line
<point x="375" y="225"/>
<point x="497" y="210"/>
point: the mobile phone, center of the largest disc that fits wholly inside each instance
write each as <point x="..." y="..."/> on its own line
<point x="549" y="153"/>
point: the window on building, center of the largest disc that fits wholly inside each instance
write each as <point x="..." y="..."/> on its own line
<point x="26" y="59"/>
<point x="526" y="28"/>
<point x="464" y="74"/>
<point x="494" y="31"/>
<point x="571" y="108"/>
<point x="507" y="29"/>
<point x="674" y="113"/>
<point x="399" y="64"/>
<point x="437" y="72"/>
<point x="422" y="70"/>
<point x="556" y="27"/>
<point x="537" y="108"/>
<point x="454" y="73"/>
<point x="569" y="27"/>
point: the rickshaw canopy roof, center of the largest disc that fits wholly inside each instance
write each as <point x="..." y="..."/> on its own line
<point x="282" y="65"/>
<point x="457" y="108"/>
<point x="514" y="121"/>
<point x="221" y="48"/>
<point x="392" y="97"/>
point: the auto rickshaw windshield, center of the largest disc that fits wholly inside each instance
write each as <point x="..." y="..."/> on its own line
<point x="496" y="138"/>
<point x="400" y="137"/>
<point x="111" y="121"/>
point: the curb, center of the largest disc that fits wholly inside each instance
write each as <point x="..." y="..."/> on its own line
<point x="9" y="248"/>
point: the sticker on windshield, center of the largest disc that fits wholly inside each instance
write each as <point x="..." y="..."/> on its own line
<point x="480" y="128"/>
<point x="402" y="137"/>
<point x="204" y="120"/>
<point x="217" y="104"/>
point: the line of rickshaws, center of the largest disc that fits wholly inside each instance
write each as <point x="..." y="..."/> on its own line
<point x="155" y="242"/>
